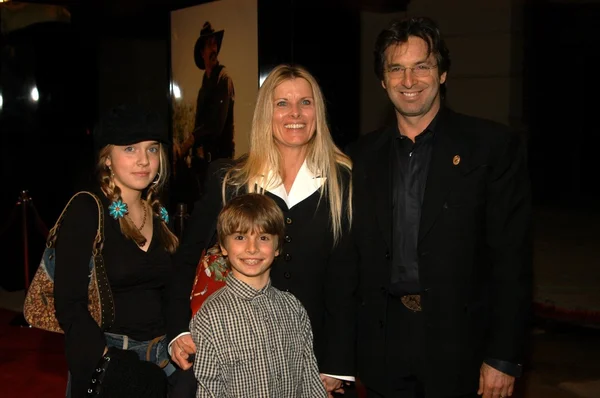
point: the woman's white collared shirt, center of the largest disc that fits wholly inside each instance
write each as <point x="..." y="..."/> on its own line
<point x="305" y="184"/>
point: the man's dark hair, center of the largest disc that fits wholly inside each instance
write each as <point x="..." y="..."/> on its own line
<point x="399" y="32"/>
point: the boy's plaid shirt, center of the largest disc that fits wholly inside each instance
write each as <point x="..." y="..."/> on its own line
<point x="254" y="344"/>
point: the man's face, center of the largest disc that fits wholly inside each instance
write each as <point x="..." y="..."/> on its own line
<point x="412" y="95"/>
<point x="209" y="53"/>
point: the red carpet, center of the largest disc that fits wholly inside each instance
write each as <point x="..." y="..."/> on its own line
<point x="32" y="362"/>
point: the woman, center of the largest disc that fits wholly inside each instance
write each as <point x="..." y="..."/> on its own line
<point x="293" y="159"/>
<point x="132" y="169"/>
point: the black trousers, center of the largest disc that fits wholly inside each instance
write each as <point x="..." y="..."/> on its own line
<point x="405" y="364"/>
<point x="375" y="394"/>
<point x="182" y="384"/>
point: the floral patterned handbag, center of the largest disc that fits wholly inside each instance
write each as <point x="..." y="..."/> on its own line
<point x="38" y="308"/>
<point x="211" y="271"/>
<point x="210" y="276"/>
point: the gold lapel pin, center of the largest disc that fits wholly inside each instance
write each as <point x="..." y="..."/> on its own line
<point x="456" y="160"/>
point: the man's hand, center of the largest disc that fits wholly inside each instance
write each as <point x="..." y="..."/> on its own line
<point x="494" y="384"/>
<point x="332" y="385"/>
<point x="181" y="349"/>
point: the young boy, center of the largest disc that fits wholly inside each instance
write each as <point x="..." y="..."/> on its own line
<point x="252" y="340"/>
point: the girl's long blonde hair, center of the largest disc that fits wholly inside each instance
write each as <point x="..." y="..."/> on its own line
<point x="323" y="157"/>
<point x="152" y="194"/>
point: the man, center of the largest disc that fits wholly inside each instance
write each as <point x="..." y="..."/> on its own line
<point x="441" y="238"/>
<point x="212" y="137"/>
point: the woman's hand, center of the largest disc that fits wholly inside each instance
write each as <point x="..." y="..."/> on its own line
<point x="181" y="349"/>
<point x="332" y="385"/>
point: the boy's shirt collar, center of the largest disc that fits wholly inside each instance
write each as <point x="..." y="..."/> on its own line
<point x="245" y="291"/>
<point x="305" y="184"/>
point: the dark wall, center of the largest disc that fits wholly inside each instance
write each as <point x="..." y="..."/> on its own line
<point x="560" y="101"/>
<point x="80" y="69"/>
<point x="44" y="143"/>
<point x="324" y="39"/>
<point x="41" y="140"/>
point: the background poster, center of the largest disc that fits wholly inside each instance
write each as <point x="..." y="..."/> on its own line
<point x="233" y="24"/>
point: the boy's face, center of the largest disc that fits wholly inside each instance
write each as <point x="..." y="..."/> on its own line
<point x="250" y="256"/>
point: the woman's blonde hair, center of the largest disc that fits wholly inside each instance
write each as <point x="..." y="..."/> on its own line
<point x="151" y="198"/>
<point x="323" y="157"/>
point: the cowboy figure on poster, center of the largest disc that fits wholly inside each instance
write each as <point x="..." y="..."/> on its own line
<point x="212" y="136"/>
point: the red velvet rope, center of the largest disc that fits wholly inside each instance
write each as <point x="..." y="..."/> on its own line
<point x="580" y="316"/>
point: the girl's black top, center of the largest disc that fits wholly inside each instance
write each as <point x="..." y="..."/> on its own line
<point x="137" y="278"/>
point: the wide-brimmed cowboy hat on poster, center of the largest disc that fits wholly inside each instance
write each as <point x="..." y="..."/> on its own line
<point x="206" y="32"/>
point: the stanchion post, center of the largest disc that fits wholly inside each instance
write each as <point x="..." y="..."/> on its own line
<point x="24" y="200"/>
<point x="181" y="216"/>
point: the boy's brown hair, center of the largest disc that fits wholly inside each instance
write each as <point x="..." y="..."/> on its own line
<point x="251" y="212"/>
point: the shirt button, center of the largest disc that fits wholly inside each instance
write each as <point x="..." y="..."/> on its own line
<point x="288" y="220"/>
<point x="287" y="275"/>
<point x="288" y="238"/>
<point x="287" y="257"/>
<point x="387" y="255"/>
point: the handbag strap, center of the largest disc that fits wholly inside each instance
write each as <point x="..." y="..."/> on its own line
<point x="106" y="298"/>
<point x="98" y="240"/>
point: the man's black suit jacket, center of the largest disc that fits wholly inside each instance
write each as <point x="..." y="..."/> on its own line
<point x="474" y="255"/>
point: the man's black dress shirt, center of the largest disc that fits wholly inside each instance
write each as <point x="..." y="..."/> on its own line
<point x="410" y="162"/>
